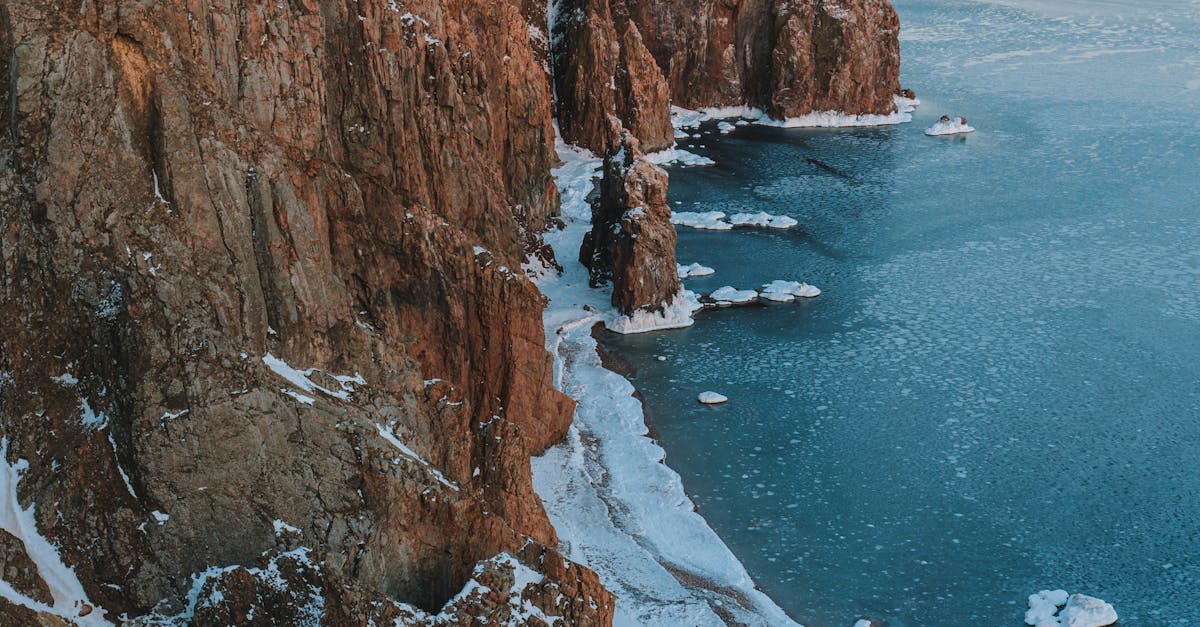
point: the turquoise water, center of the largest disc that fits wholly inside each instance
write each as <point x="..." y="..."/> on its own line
<point x="999" y="390"/>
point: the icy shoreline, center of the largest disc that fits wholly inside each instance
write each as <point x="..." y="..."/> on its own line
<point x="617" y="507"/>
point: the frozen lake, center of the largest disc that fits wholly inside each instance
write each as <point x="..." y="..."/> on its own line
<point x="999" y="390"/>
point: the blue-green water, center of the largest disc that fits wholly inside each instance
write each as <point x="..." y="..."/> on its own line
<point x="999" y="390"/>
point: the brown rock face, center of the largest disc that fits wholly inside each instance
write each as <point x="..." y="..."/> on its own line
<point x="192" y="189"/>
<point x="632" y="242"/>
<point x="606" y="79"/>
<point x="264" y="325"/>
<point x="789" y="57"/>
<point x="834" y="56"/>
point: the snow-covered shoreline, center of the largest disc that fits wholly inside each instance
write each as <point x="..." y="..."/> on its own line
<point x="690" y="119"/>
<point x="617" y="507"/>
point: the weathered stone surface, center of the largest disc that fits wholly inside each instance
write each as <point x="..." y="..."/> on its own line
<point x="606" y="79"/>
<point x="188" y="187"/>
<point x="192" y="190"/>
<point x="632" y="241"/>
<point x="789" y="57"/>
<point x="834" y="55"/>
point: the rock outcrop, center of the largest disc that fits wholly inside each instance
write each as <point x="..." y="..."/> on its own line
<point x="606" y="80"/>
<point x="786" y="57"/>
<point x="268" y="353"/>
<point x="632" y="241"/>
<point x="261" y="263"/>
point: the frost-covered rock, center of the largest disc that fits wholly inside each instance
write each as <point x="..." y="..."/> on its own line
<point x="712" y="398"/>
<point x="949" y="126"/>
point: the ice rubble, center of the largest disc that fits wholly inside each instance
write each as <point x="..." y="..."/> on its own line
<point x="677" y="156"/>
<point x="953" y="126"/>
<point x="1077" y="610"/>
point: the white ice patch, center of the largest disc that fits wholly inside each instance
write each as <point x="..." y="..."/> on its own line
<point x="281" y="527"/>
<point x="725" y="127"/>
<point x="763" y="220"/>
<point x="712" y="398"/>
<point x="953" y="126"/>
<point x="718" y="221"/>
<point x="386" y="433"/>
<point x="1054" y="608"/>
<point x="787" y="291"/>
<point x="693" y="269"/>
<point x="69" y="598"/>
<point x="730" y="295"/>
<point x="688" y="119"/>
<point x="713" y="220"/>
<point x="677" y="156"/>
<point x="300" y="379"/>
<point x="674" y="315"/>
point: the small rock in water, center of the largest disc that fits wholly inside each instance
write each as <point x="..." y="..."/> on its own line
<point x="711" y="398"/>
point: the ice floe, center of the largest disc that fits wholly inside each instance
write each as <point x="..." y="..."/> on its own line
<point x="617" y="508"/>
<point x="729" y="295"/>
<point x="1054" y="608"/>
<point x="693" y="269"/>
<point x="712" y="398"/>
<point x="949" y="126"/>
<point x="763" y="220"/>
<point x="787" y="291"/>
<point x="719" y="221"/>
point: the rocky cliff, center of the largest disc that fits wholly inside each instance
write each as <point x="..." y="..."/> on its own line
<point x="268" y="354"/>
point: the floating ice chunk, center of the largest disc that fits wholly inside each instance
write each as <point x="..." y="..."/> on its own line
<point x="725" y="127"/>
<point x="787" y="291"/>
<point x="1080" y="610"/>
<point x="1086" y="611"/>
<point x="729" y="295"/>
<point x="693" y="269"/>
<point x="1043" y="607"/>
<point x="762" y="219"/>
<point x="701" y="220"/>
<point x="952" y="126"/>
<point x="675" y="315"/>
<point x="711" y="398"/>
<point x="679" y="156"/>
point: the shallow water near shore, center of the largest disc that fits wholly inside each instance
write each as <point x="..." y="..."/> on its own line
<point x="999" y="390"/>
